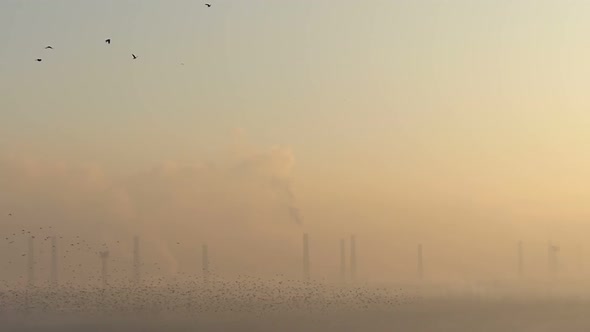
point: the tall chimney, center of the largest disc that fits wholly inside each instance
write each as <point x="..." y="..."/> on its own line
<point x="420" y="263"/>
<point x="136" y="261"/>
<point x="579" y="264"/>
<point x="549" y="260"/>
<point x="205" y="263"/>
<point x="552" y="260"/>
<point x="31" y="262"/>
<point x="343" y="260"/>
<point x="54" y="273"/>
<point x="520" y="259"/>
<point x="104" y="260"/>
<point x="306" y="272"/>
<point x="353" y="258"/>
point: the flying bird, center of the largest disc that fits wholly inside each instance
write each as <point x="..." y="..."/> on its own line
<point x="39" y="60"/>
<point x="134" y="56"/>
<point x="48" y="47"/>
<point x="10" y="214"/>
<point x="108" y="41"/>
<point x="208" y="4"/>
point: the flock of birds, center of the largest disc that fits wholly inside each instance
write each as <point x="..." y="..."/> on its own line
<point x="107" y="41"/>
<point x="82" y="291"/>
<point x="213" y="298"/>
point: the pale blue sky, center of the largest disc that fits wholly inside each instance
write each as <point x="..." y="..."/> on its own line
<point x="399" y="84"/>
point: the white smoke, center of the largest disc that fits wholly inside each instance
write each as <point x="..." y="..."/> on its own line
<point x="168" y="204"/>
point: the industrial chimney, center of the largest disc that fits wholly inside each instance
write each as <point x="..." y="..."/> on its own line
<point x="205" y="263"/>
<point x="31" y="262"/>
<point x="353" y="258"/>
<point x="104" y="258"/>
<point x="136" y="261"/>
<point x="306" y="272"/>
<point x="343" y="260"/>
<point x="552" y="260"/>
<point x="420" y="263"/>
<point x="54" y="281"/>
<point x="520" y="259"/>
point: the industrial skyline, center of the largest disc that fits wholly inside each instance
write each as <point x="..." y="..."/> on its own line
<point x="345" y="275"/>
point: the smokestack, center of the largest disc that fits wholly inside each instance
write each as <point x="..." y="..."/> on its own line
<point x="520" y="259"/>
<point x="136" y="261"/>
<point x="343" y="260"/>
<point x="31" y="262"/>
<point x="306" y="275"/>
<point x="552" y="261"/>
<point x="549" y="259"/>
<point x="54" y="281"/>
<point x="579" y="261"/>
<point x="420" y="263"/>
<point x="205" y="263"/>
<point x="104" y="259"/>
<point x="353" y="258"/>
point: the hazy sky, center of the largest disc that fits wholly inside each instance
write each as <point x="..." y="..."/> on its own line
<point x="461" y="123"/>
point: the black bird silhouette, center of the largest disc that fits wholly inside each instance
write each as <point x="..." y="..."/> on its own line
<point x="208" y="4"/>
<point x="39" y="60"/>
<point x="10" y="214"/>
<point x="134" y="57"/>
<point x="48" y="47"/>
<point x="108" y="41"/>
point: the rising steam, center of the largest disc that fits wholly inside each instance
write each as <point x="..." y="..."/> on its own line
<point x="168" y="204"/>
